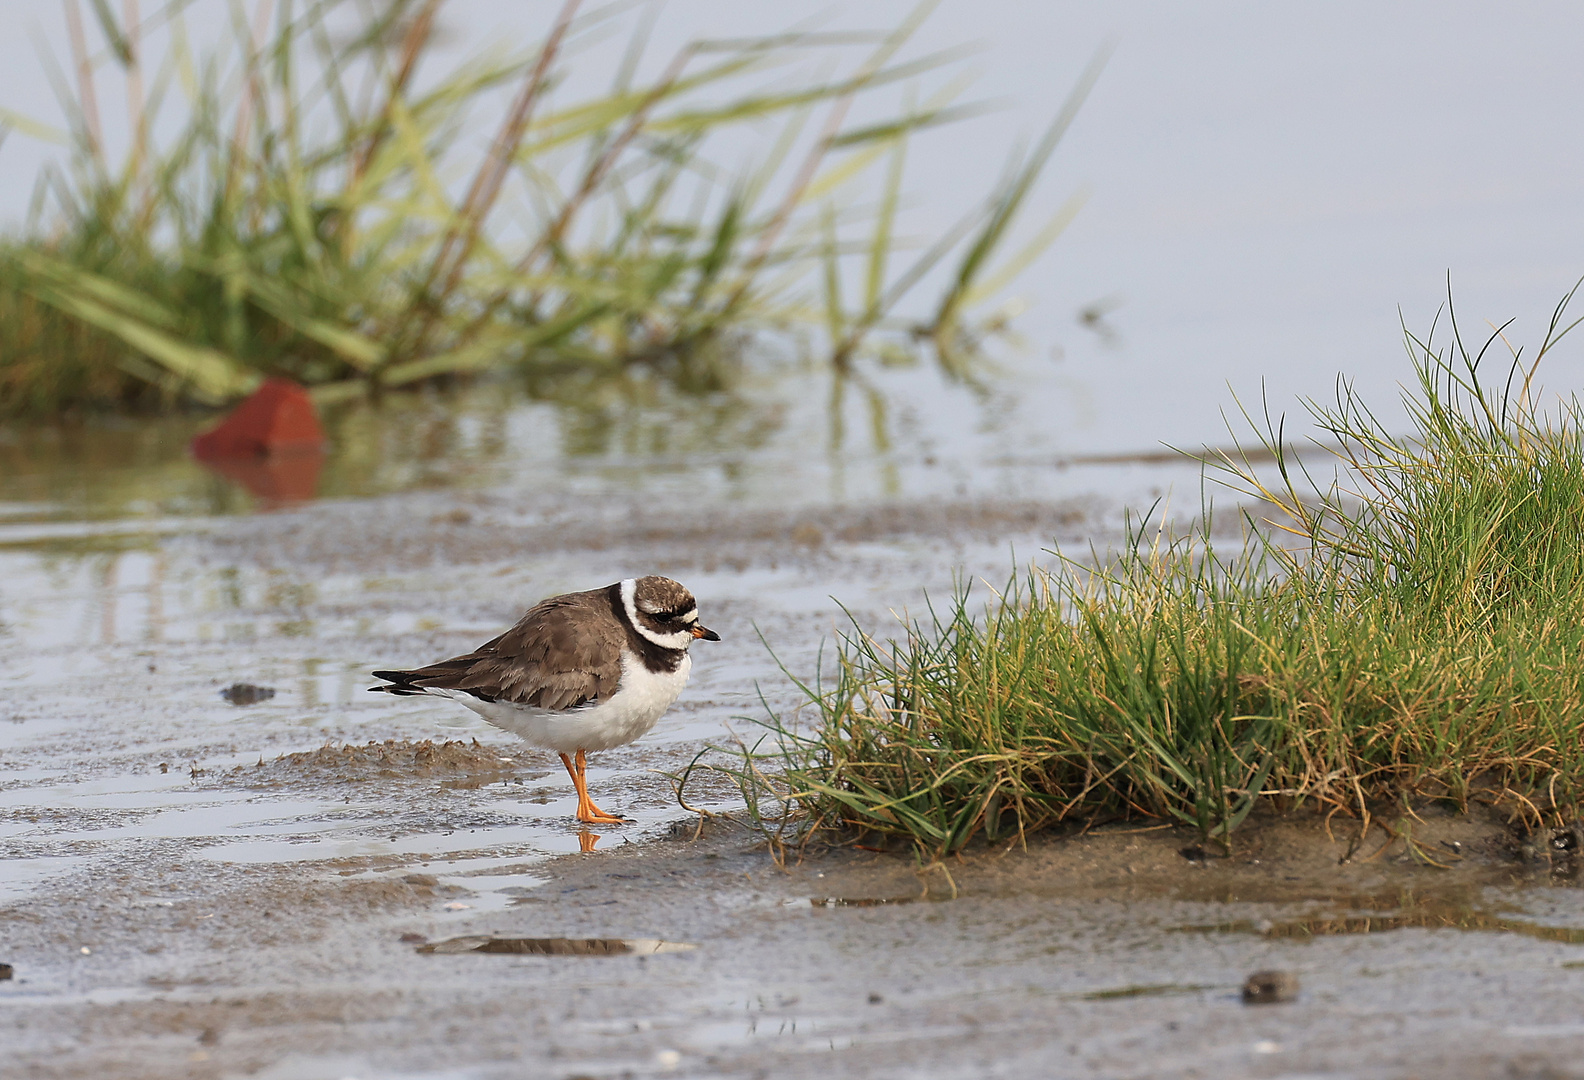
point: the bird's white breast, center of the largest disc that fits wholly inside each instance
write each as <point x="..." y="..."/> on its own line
<point x="642" y="697"/>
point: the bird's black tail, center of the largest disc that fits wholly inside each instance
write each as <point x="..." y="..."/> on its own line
<point x="397" y="682"/>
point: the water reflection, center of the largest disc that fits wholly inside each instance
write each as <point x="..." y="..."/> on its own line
<point x="111" y="468"/>
<point x="85" y="599"/>
<point x="554" y="946"/>
<point x="782" y="436"/>
<point x="275" y="479"/>
<point x="76" y="610"/>
<point x="467" y="437"/>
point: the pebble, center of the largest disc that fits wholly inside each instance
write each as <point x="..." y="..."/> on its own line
<point x="247" y="694"/>
<point x="1270" y="988"/>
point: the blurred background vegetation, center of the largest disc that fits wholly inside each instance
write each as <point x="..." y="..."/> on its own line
<point x="298" y="201"/>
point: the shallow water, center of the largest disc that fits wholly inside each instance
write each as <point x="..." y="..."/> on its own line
<point x="773" y="442"/>
<point x="139" y="592"/>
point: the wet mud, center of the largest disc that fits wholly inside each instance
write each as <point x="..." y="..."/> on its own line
<point x="836" y="961"/>
<point x="494" y="527"/>
<point x="465" y="764"/>
<point x="325" y="883"/>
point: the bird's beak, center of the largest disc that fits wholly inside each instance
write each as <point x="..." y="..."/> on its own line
<point x="705" y="633"/>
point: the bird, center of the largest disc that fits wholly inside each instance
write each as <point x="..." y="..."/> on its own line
<point x="579" y="672"/>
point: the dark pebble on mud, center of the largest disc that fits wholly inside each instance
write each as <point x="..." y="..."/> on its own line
<point x="247" y="694"/>
<point x="1270" y="988"/>
<point x="6" y="971"/>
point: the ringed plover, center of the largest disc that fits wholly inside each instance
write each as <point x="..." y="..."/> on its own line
<point x="579" y="672"/>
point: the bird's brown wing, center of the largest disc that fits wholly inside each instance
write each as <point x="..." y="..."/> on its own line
<point x="564" y="652"/>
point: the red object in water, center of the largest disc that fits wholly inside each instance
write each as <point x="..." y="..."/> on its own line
<point x="271" y="444"/>
<point x="278" y="416"/>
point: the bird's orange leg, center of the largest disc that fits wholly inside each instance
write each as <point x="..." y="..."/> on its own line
<point x="598" y="815"/>
<point x="586" y="810"/>
<point x="576" y="783"/>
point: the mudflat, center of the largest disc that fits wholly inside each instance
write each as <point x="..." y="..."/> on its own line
<point x="321" y="883"/>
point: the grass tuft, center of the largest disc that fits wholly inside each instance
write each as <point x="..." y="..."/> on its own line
<point x="1408" y="629"/>
<point x="298" y="202"/>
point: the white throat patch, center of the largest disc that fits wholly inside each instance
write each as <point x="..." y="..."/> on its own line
<point x="679" y="640"/>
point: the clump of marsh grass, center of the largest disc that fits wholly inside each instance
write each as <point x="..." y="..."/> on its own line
<point x="1421" y="640"/>
<point x="316" y="210"/>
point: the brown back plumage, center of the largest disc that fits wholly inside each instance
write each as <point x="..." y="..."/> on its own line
<point x="563" y="652"/>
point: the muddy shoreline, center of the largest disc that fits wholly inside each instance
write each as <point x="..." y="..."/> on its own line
<point x="195" y="888"/>
<point x="1113" y="953"/>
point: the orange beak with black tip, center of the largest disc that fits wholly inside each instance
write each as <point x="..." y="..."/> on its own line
<point x="704" y="632"/>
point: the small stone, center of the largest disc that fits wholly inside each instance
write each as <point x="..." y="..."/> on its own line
<point x="876" y="999"/>
<point x="247" y="694"/>
<point x="1270" y="988"/>
<point x="411" y="938"/>
<point x="6" y="971"/>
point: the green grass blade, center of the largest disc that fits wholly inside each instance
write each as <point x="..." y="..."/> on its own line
<point x="1009" y="199"/>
